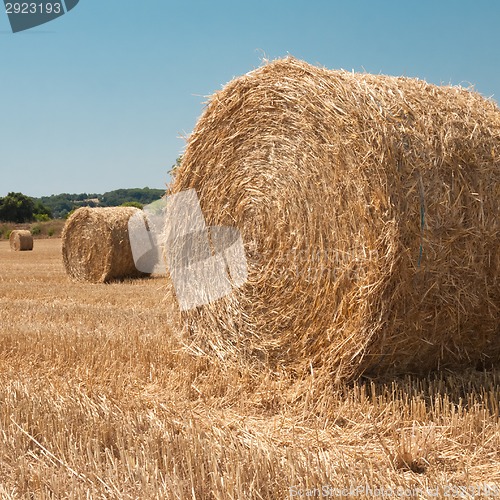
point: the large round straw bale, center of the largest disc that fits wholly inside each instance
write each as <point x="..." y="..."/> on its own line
<point x="21" y="240"/>
<point x="96" y="245"/>
<point x="369" y="210"/>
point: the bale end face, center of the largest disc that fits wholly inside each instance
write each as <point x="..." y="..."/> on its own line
<point x="368" y="206"/>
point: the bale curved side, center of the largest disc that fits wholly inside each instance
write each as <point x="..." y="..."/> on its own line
<point x="21" y="240"/>
<point x="369" y="211"/>
<point x="96" y="246"/>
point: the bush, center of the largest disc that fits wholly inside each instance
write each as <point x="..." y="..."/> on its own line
<point x="41" y="217"/>
<point x="50" y="232"/>
<point x="37" y="229"/>
<point x="135" y="204"/>
<point x="7" y="233"/>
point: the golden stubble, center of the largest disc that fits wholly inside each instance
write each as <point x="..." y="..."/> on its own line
<point x="98" y="399"/>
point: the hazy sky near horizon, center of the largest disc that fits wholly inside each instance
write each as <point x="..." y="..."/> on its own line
<point x="100" y="98"/>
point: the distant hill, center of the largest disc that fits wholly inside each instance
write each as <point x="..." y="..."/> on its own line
<point x="62" y="204"/>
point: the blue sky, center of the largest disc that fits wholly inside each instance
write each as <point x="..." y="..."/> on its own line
<point x="99" y="98"/>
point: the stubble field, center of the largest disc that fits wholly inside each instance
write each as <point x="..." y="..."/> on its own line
<point x="98" y="399"/>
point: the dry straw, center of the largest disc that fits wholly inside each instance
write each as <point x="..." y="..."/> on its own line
<point x="21" y="240"/>
<point x="96" y="246"/>
<point x="369" y="209"/>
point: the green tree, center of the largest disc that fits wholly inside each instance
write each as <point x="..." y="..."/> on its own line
<point x="41" y="210"/>
<point x="59" y="204"/>
<point x="16" y="207"/>
<point x="119" y="196"/>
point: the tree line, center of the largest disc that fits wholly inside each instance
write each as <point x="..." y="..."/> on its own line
<point x="19" y="208"/>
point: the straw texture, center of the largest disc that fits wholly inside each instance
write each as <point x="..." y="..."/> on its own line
<point x="21" y="240"/>
<point x="96" y="246"/>
<point x="369" y="209"/>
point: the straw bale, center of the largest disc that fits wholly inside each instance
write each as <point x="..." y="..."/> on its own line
<point x="96" y="246"/>
<point x="21" y="240"/>
<point x="369" y="210"/>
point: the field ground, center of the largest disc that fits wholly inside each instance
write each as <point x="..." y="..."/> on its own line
<point x="99" y="400"/>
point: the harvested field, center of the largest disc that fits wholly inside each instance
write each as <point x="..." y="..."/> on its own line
<point x="99" y="400"/>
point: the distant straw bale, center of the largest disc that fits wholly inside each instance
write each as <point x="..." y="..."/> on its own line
<point x="21" y="240"/>
<point x="369" y="209"/>
<point x="96" y="246"/>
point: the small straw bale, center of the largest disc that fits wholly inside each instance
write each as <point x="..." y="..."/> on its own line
<point x="369" y="211"/>
<point x="21" y="240"/>
<point x="96" y="245"/>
